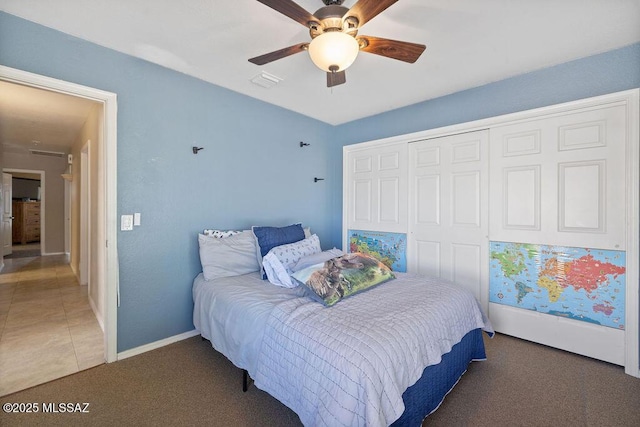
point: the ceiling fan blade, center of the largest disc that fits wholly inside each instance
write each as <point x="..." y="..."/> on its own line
<point x="366" y="10"/>
<point x="292" y="10"/>
<point x="279" y="54"/>
<point x="336" y="78"/>
<point x="402" y="51"/>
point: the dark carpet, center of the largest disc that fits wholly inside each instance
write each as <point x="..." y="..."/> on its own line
<point x="188" y="383"/>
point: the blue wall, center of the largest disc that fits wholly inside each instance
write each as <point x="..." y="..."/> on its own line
<point x="162" y="113"/>
<point x="252" y="170"/>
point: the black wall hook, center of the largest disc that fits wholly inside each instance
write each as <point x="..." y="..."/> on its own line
<point x="304" y="144"/>
<point x="318" y="179"/>
<point x="196" y="149"/>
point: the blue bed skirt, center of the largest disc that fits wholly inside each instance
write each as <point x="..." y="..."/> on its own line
<point x="429" y="391"/>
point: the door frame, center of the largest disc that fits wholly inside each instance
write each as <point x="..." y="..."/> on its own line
<point x="85" y="223"/>
<point x="107" y="194"/>
<point x="67" y="218"/>
<point x="43" y="197"/>
<point x="4" y="201"/>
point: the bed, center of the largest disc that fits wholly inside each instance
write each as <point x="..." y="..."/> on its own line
<point x="341" y="339"/>
<point x="385" y="356"/>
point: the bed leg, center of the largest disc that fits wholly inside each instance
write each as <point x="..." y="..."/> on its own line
<point x="245" y="380"/>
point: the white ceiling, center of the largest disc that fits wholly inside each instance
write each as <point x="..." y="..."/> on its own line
<point x="39" y="119"/>
<point x="469" y="43"/>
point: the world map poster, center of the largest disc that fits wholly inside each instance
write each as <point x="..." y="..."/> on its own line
<point x="577" y="283"/>
<point x="388" y="248"/>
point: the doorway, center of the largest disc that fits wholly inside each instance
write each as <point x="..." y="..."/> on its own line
<point x="105" y="230"/>
<point x="24" y="212"/>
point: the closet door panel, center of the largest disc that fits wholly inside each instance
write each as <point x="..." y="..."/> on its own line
<point x="521" y="198"/>
<point x="427" y="258"/>
<point x="581" y="192"/>
<point x="427" y="199"/>
<point x="560" y="180"/>
<point x="376" y="188"/>
<point x="466" y="264"/>
<point x="448" y="217"/>
<point x="361" y="200"/>
<point x="465" y="199"/>
<point x="389" y="197"/>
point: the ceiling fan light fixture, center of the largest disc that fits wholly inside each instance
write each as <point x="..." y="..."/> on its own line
<point x="333" y="49"/>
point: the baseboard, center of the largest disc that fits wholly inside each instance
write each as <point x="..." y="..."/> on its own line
<point x="157" y="344"/>
<point x="52" y="253"/>
<point x="96" y="313"/>
<point x="75" y="272"/>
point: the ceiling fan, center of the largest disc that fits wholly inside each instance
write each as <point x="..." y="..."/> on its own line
<point x="335" y="41"/>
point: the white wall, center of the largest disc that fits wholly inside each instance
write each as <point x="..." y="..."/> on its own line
<point x="91" y="134"/>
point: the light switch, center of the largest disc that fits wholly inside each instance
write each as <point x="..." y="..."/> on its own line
<point x="126" y="222"/>
<point x="136" y="218"/>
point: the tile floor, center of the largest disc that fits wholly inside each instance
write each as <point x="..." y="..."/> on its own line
<point x="47" y="327"/>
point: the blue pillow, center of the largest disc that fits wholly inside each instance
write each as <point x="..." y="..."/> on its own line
<point x="268" y="238"/>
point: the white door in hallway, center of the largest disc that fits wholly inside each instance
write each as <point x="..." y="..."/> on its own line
<point x="7" y="214"/>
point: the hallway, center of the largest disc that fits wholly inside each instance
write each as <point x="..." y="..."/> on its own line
<point x="47" y="327"/>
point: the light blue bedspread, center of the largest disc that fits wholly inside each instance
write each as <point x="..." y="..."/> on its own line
<point x="232" y="313"/>
<point x="343" y="365"/>
<point x="349" y="364"/>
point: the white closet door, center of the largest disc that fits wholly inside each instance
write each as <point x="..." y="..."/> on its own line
<point x="560" y="181"/>
<point x="448" y="210"/>
<point x="375" y="190"/>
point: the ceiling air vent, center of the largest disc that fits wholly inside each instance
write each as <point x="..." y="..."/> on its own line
<point x="48" y="153"/>
<point x="266" y="80"/>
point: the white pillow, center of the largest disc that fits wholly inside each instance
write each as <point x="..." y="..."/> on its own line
<point x="278" y="261"/>
<point x="230" y="256"/>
